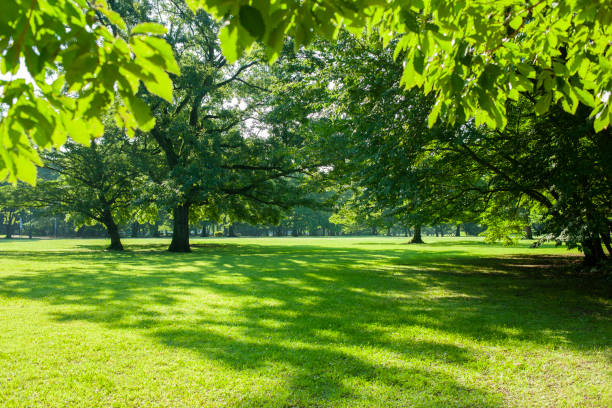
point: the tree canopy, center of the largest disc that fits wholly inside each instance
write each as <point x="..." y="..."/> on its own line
<point x="473" y="55"/>
<point x="74" y="60"/>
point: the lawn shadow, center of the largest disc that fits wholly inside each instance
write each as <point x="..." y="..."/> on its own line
<point x="314" y="309"/>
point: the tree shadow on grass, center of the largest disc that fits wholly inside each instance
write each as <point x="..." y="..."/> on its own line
<point x="336" y="320"/>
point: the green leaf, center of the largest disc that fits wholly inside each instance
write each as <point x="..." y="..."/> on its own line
<point x="516" y="22"/>
<point x="229" y="42"/>
<point x="252" y="20"/>
<point x="149" y="28"/>
<point x="543" y="103"/>
<point x="433" y="115"/>
<point x="26" y="170"/>
<point x="602" y="119"/>
<point x="141" y="112"/>
<point x="77" y="130"/>
<point x="113" y="17"/>
<point x="161" y="85"/>
<point x="584" y="96"/>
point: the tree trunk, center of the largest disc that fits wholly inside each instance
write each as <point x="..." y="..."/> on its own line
<point x="135" y="229"/>
<point x="180" y="231"/>
<point x="528" y="233"/>
<point x="204" y="230"/>
<point x="113" y="232"/>
<point x="593" y="252"/>
<point x="417" y="235"/>
<point x="458" y="230"/>
<point x="9" y="226"/>
<point x="605" y="237"/>
<point x="388" y="231"/>
<point x="230" y="231"/>
<point x="374" y="231"/>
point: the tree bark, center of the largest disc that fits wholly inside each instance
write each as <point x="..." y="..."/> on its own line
<point x="204" y="230"/>
<point x="113" y="232"/>
<point x="374" y="231"/>
<point x="416" y="239"/>
<point x="180" y="231"/>
<point x="528" y="233"/>
<point x="458" y="230"/>
<point x="593" y="252"/>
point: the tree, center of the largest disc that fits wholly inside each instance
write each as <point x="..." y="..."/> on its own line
<point x="9" y="208"/>
<point x="74" y="59"/>
<point x="210" y="153"/>
<point x="474" y="56"/>
<point x="94" y="184"/>
<point x="553" y="164"/>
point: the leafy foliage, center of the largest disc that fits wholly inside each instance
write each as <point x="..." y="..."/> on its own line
<point x="473" y="56"/>
<point x="76" y="60"/>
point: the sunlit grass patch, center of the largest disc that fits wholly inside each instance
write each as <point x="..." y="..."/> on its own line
<point x="305" y="322"/>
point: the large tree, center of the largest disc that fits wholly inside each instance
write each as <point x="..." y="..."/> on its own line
<point x="210" y="152"/>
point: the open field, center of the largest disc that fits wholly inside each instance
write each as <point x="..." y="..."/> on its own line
<point x="300" y="322"/>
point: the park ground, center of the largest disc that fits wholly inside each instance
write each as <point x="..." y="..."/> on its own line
<point x="301" y="322"/>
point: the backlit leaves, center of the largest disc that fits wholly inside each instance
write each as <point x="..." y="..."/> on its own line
<point x="75" y="60"/>
<point x="472" y="55"/>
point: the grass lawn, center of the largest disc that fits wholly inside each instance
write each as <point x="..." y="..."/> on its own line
<point x="300" y="322"/>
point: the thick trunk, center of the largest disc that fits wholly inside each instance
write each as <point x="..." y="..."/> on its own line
<point x="9" y="227"/>
<point x="593" y="252"/>
<point x="180" y="232"/>
<point x="113" y="233"/>
<point x="417" y="235"/>
<point x="230" y="231"/>
<point x="528" y="233"/>
<point x="374" y="231"/>
<point x="204" y="230"/>
<point x="458" y="230"/>
<point x="388" y="231"/>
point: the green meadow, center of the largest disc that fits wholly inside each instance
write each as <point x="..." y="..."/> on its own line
<point x="301" y="322"/>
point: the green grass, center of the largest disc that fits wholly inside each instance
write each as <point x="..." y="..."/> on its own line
<point x="304" y="322"/>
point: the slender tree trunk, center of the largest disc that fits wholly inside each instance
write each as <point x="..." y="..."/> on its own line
<point x="417" y="235"/>
<point x="113" y="232"/>
<point x="528" y="233"/>
<point x="204" y="230"/>
<point x="374" y="231"/>
<point x="180" y="232"/>
<point x="388" y="231"/>
<point x="458" y="230"/>
<point x="605" y="237"/>
<point x="9" y="226"/>
<point x="135" y="229"/>
<point x="230" y="231"/>
<point x="155" y="229"/>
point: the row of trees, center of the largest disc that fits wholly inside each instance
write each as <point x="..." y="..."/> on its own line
<point x="331" y="126"/>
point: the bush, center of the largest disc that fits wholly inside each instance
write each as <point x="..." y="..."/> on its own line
<point x="218" y="233"/>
